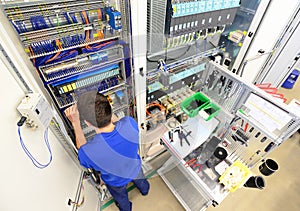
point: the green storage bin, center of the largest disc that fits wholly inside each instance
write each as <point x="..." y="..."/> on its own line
<point x="193" y="104"/>
<point x="209" y="111"/>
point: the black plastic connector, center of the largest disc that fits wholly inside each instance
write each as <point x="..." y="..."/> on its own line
<point x="21" y="121"/>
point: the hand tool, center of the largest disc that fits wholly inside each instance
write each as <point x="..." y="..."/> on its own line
<point x="194" y="165"/>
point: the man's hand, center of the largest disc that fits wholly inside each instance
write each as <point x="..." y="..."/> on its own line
<point x="72" y="113"/>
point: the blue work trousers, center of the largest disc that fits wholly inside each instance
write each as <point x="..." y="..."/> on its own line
<point x="120" y="194"/>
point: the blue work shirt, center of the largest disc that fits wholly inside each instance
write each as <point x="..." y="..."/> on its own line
<point x="114" y="154"/>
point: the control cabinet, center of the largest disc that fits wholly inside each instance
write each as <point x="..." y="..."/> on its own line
<point x="182" y="36"/>
<point x="77" y="46"/>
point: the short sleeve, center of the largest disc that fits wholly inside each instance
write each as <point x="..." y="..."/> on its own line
<point x="83" y="158"/>
<point x="133" y="123"/>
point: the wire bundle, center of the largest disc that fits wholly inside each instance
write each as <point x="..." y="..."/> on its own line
<point x="43" y="47"/>
<point x="38" y="22"/>
<point x="85" y="20"/>
<point x="71" y="18"/>
<point x="20" y="26"/>
<point x="97" y="47"/>
<point x="50" y="46"/>
<point x="59" y="56"/>
<point x="70" y="41"/>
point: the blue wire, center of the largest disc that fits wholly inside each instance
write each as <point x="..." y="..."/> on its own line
<point x="67" y="18"/>
<point x="87" y="14"/>
<point x="34" y="161"/>
<point x="82" y="18"/>
<point x="50" y="21"/>
<point x="74" y="18"/>
<point x="16" y="26"/>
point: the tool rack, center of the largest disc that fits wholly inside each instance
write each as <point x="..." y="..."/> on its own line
<point x="249" y="126"/>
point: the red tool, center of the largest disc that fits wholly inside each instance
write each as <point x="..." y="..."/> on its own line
<point x="246" y="127"/>
<point x="194" y="165"/>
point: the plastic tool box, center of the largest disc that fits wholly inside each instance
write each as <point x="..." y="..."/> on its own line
<point x="193" y="104"/>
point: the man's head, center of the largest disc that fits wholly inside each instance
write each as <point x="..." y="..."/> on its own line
<point x="94" y="108"/>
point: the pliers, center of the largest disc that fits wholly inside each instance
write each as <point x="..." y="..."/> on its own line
<point x="194" y="165"/>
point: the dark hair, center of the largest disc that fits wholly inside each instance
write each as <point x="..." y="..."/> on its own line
<point x="94" y="108"/>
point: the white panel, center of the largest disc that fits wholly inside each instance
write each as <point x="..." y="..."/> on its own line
<point x="139" y="31"/>
<point x="278" y="15"/>
<point x="263" y="5"/>
<point x="284" y="64"/>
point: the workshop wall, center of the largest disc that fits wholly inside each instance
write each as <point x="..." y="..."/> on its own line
<point x="23" y="186"/>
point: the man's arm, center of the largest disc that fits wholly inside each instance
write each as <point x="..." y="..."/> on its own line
<point x="73" y="115"/>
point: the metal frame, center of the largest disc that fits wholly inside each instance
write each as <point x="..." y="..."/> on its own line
<point x="248" y="89"/>
<point x="231" y="115"/>
<point x="139" y="40"/>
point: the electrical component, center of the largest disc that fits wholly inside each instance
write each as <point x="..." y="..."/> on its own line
<point x="120" y="96"/>
<point x="176" y="23"/>
<point x="120" y="114"/>
<point x="37" y="111"/>
<point x="114" y="18"/>
<point x="236" y="36"/>
<point x="269" y="147"/>
<point x="242" y="134"/>
<point x="180" y="74"/>
<point x="98" y="57"/>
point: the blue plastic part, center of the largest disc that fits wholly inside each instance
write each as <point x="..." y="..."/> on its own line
<point x="98" y="57"/>
<point x="114" y="18"/>
<point x="119" y="94"/>
<point x="162" y="66"/>
<point x="291" y="80"/>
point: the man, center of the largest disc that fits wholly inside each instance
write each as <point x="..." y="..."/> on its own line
<point x="113" y="151"/>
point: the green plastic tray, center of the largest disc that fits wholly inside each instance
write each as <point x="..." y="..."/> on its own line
<point x="209" y="111"/>
<point x="193" y="104"/>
